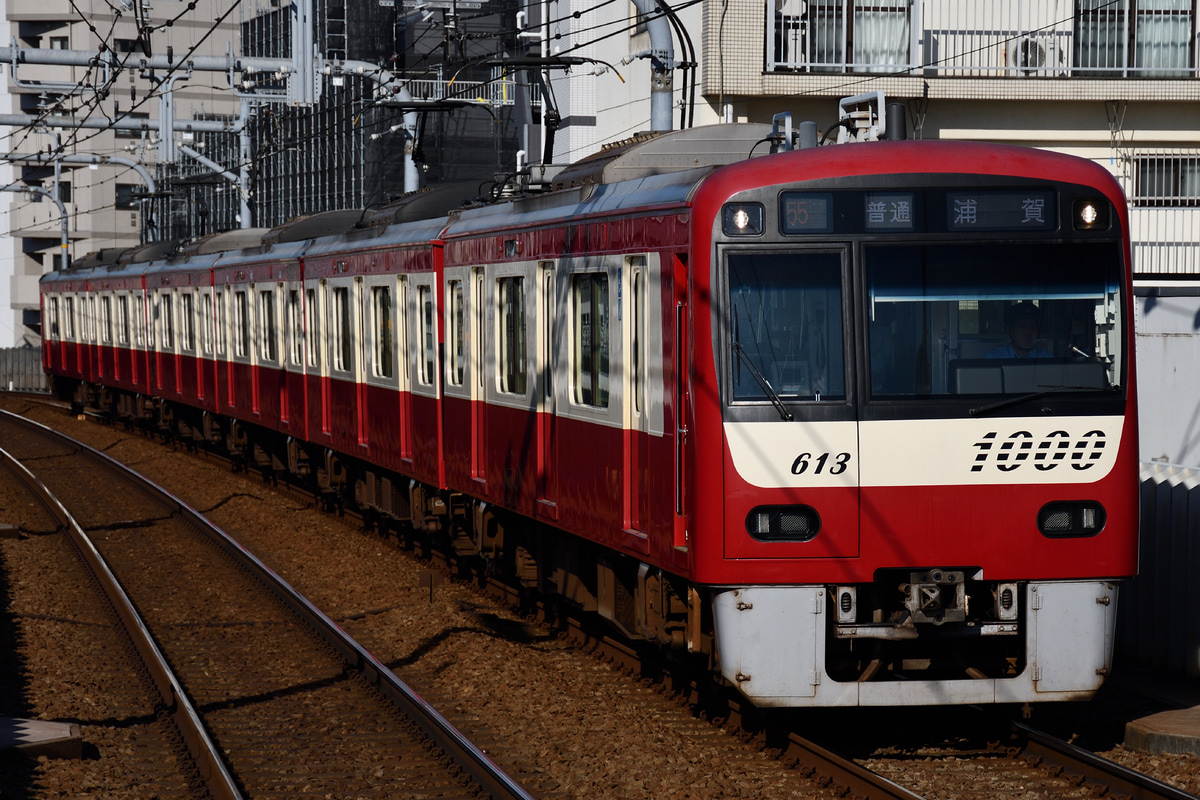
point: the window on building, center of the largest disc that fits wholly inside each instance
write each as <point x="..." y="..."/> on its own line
<point x="1166" y="181"/>
<point x="60" y="43"/>
<point x="1158" y="34"/>
<point x="127" y="196"/>
<point x="589" y="330"/>
<point x="829" y="35"/>
<point x="454" y="330"/>
<point x="381" y="326"/>
<point x="131" y="116"/>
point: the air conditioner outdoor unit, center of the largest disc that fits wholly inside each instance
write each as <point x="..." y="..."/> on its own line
<point x="1027" y="54"/>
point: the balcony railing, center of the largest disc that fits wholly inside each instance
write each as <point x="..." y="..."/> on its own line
<point x="974" y="38"/>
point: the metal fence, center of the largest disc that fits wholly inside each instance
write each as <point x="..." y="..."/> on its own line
<point x="1159" y="623"/>
<point x="21" y="370"/>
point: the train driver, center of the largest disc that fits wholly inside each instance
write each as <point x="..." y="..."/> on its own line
<point x="1021" y="322"/>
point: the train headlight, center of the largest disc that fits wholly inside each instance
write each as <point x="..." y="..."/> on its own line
<point x="743" y="219"/>
<point x="1072" y="519"/>
<point x="783" y="523"/>
<point x="1091" y="214"/>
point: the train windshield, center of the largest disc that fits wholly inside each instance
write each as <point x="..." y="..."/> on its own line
<point x="786" y="326"/>
<point x="992" y="319"/>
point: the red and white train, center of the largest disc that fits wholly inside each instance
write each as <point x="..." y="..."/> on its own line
<point x="765" y="410"/>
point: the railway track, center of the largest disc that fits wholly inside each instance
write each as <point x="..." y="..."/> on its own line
<point x="270" y="697"/>
<point x="997" y="763"/>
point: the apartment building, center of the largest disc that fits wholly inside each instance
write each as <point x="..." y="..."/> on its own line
<point x="103" y="203"/>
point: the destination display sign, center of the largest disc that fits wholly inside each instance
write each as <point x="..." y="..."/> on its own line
<point x="1008" y="210"/>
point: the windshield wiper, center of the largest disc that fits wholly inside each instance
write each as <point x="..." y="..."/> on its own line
<point x="980" y="411"/>
<point x="763" y="382"/>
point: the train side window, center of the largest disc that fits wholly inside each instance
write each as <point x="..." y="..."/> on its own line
<point x="241" y="324"/>
<point x="187" y="321"/>
<point x="220" y="333"/>
<point x="106" y="320"/>
<point x="343" y="339"/>
<point x="511" y="360"/>
<point x="139" y="322"/>
<point x="295" y="329"/>
<point x="69" y="318"/>
<point x="52" y="310"/>
<point x="381" y="326"/>
<point x="268" y="347"/>
<point x="589" y="333"/>
<point x="123" y="319"/>
<point x="167" y="320"/>
<point x="455" y="329"/>
<point x="428" y="335"/>
<point x="313" y="334"/>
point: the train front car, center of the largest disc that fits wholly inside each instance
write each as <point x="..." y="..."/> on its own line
<point x="919" y="359"/>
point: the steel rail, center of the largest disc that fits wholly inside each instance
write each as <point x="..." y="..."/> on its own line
<point x="209" y="765"/>
<point x="441" y="731"/>
<point x="1120" y="780"/>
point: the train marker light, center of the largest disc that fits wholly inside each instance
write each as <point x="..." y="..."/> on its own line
<point x="783" y="523"/>
<point x="743" y="219"/>
<point x="1071" y="519"/>
<point x="1091" y="215"/>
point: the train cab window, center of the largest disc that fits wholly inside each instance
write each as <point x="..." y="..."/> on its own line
<point x="241" y="324"/>
<point x="343" y="338"/>
<point x="187" y="321"/>
<point x="123" y="319"/>
<point x="268" y="347"/>
<point x="511" y="342"/>
<point x="455" y="327"/>
<point x="986" y="318"/>
<point x="785" y="327"/>
<point x="69" y="318"/>
<point x="106" y="327"/>
<point x="381" y="326"/>
<point x="166" y="319"/>
<point x="314" y="328"/>
<point x="589" y="334"/>
<point x="428" y="335"/>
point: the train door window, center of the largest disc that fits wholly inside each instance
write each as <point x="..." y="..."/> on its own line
<point x="343" y="335"/>
<point x="187" y="321"/>
<point x="637" y="335"/>
<point x="167" y="320"/>
<point x="206" y="323"/>
<point x="241" y="324"/>
<point x="548" y="312"/>
<point x="455" y="329"/>
<point x="402" y="333"/>
<point x="428" y="335"/>
<point x="106" y="327"/>
<point x="786" y="326"/>
<point x="123" y="319"/>
<point x="220" y="334"/>
<point x="382" y="360"/>
<point x="511" y="341"/>
<point x="268" y="347"/>
<point x="87" y="310"/>
<point x="139" y="320"/>
<point x="590" y="339"/>
<point x="313" y="337"/>
<point x="295" y="329"/>
<point x="69" y="318"/>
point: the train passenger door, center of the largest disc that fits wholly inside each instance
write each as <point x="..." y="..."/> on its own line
<point x="548" y="347"/>
<point x="637" y="468"/>
<point x="479" y="315"/>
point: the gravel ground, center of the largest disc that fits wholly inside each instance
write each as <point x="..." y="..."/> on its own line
<point x="557" y="719"/>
